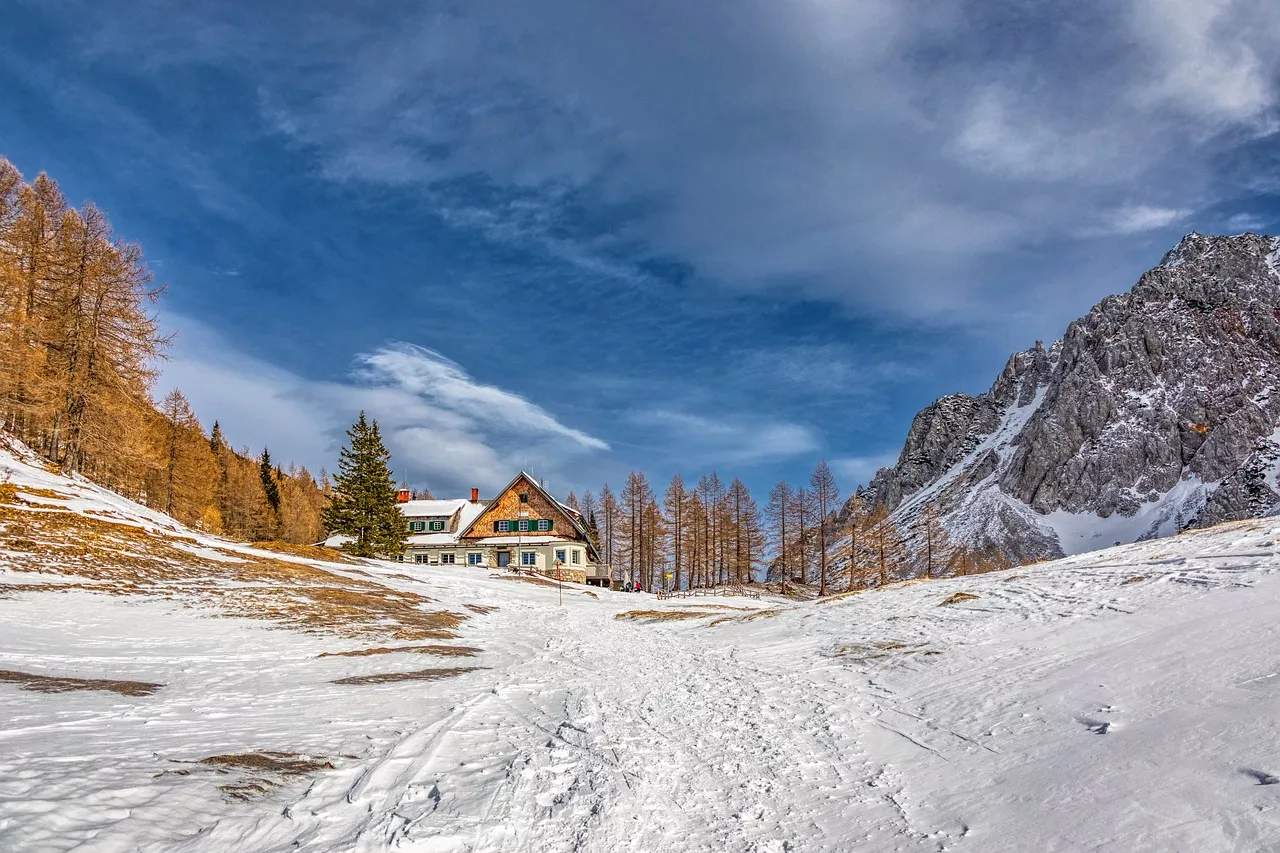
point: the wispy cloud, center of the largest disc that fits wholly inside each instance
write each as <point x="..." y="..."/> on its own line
<point x="853" y="471"/>
<point x="444" y="428"/>
<point x="1135" y="219"/>
<point x="706" y="442"/>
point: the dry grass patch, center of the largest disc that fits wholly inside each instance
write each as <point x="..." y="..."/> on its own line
<point x="1134" y="579"/>
<point x="662" y="615"/>
<point x="62" y="684"/>
<point x="307" y="552"/>
<point x="270" y="769"/>
<point x="746" y="617"/>
<point x="125" y="559"/>
<point x="441" y="651"/>
<point x="482" y="609"/>
<point x="956" y="598"/>
<point x="879" y="651"/>
<point x="436" y="674"/>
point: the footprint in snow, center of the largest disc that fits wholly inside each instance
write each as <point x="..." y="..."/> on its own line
<point x="1263" y="778"/>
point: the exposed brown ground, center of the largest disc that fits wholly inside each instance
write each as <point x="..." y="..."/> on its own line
<point x="436" y="674"/>
<point x="663" y="615"/>
<point x="442" y="651"/>
<point x="122" y="559"/>
<point x="746" y="617"/>
<point x="1134" y="579"/>
<point x="879" y="651"/>
<point x="956" y="598"/>
<point x="62" y="684"/>
<point x="269" y="769"/>
<point x="310" y="552"/>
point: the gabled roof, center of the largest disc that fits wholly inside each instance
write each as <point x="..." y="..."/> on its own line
<point x="567" y="512"/>
<point x="433" y="507"/>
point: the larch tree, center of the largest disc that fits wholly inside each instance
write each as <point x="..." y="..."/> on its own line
<point x="634" y="501"/>
<point x="676" y="505"/>
<point x="936" y="543"/>
<point x="857" y="522"/>
<point x="364" y="504"/>
<point x="825" y="495"/>
<point x="803" y="513"/>
<point x="610" y="522"/>
<point x="884" y="543"/>
<point x="781" y="527"/>
<point x="743" y="525"/>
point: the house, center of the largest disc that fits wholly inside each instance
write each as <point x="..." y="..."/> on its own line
<point x="524" y="528"/>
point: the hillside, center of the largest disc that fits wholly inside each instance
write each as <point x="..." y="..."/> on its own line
<point x="167" y="690"/>
<point x="1156" y="412"/>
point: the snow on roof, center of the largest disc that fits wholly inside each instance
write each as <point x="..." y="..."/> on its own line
<point x="444" y="508"/>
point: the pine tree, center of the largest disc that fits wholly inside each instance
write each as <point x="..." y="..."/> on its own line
<point x="270" y="483"/>
<point x="364" y="502"/>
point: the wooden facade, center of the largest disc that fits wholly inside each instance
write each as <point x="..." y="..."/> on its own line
<point x="508" y="507"/>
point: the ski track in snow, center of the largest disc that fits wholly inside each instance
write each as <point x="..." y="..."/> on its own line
<point x="1120" y="700"/>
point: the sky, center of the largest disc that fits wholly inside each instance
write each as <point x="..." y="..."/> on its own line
<point x="581" y="238"/>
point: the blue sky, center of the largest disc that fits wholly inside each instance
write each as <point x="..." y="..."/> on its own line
<point x="584" y="237"/>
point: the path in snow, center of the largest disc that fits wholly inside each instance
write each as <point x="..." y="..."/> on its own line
<point x="1122" y="700"/>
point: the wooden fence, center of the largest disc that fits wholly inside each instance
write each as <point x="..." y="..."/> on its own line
<point x="700" y="591"/>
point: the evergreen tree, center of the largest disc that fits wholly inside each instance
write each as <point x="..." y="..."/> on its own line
<point x="364" y="501"/>
<point x="270" y="483"/>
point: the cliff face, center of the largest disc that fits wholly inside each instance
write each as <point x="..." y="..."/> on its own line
<point x="1156" y="412"/>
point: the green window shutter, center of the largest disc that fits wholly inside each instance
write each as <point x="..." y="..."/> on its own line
<point x="496" y="528"/>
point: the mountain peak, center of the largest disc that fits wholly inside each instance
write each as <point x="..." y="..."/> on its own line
<point x="1153" y="414"/>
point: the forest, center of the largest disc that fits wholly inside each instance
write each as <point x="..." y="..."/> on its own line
<point x="804" y="537"/>
<point x="82" y="343"/>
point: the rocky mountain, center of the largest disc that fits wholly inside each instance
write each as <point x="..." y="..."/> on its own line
<point x="1155" y="413"/>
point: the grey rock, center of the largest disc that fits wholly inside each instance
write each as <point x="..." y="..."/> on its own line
<point x="1164" y="395"/>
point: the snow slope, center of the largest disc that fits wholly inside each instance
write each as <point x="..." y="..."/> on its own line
<point x="1121" y="700"/>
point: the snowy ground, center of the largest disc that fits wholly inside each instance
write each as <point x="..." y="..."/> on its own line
<point x="1123" y="700"/>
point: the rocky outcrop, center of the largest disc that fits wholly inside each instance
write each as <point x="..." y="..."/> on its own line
<point x="1157" y="406"/>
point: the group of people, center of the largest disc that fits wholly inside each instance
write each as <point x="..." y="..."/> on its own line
<point x="630" y="586"/>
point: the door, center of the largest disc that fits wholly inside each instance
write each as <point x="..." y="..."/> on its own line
<point x="504" y="559"/>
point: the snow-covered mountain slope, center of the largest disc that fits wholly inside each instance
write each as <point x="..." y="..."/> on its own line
<point x="1155" y="413"/>
<point x="165" y="690"/>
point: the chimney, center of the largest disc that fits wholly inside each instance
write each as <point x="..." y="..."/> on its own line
<point x="403" y="495"/>
<point x="475" y="496"/>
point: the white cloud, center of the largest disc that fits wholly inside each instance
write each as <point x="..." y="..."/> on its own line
<point x="443" y="428"/>
<point x="710" y="442"/>
<point x="1242" y="222"/>
<point x="1206" y="56"/>
<point x="854" y="471"/>
<point x="1134" y="219"/>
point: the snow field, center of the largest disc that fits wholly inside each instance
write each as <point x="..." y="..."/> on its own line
<point x="1120" y="700"/>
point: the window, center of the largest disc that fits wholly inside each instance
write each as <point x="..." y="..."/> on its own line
<point x="560" y="558"/>
<point x="475" y="558"/>
<point x="528" y="558"/>
<point x="417" y="526"/>
<point x="524" y="525"/>
<point x="502" y="526"/>
<point x="447" y="559"/>
<point x="420" y="558"/>
<point x="577" y="556"/>
<point x="544" y="524"/>
<point x="437" y="525"/>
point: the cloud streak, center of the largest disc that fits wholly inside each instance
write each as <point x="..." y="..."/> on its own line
<point x="444" y="428"/>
